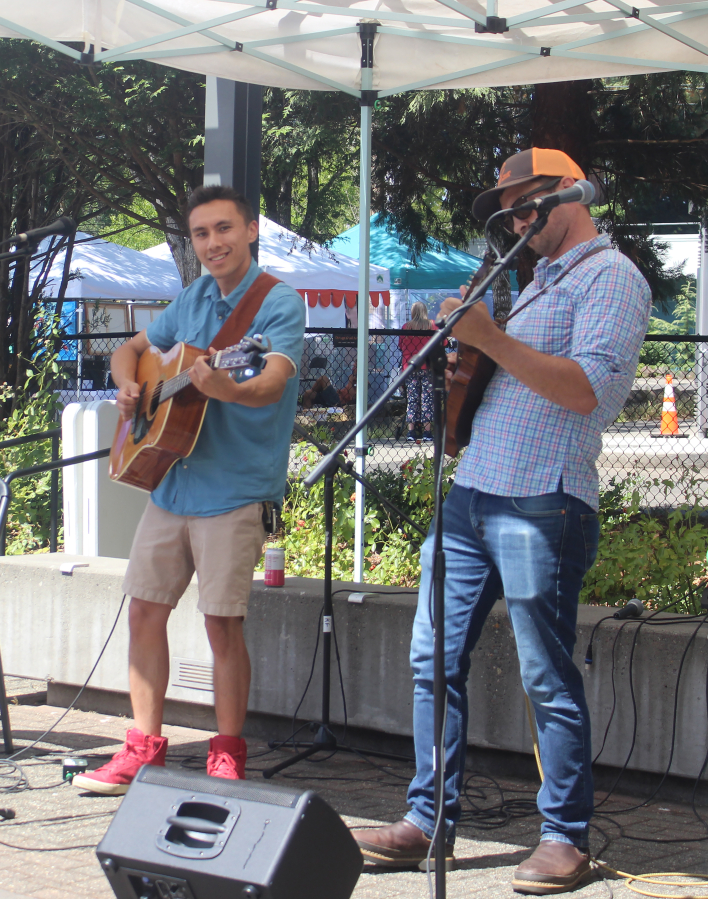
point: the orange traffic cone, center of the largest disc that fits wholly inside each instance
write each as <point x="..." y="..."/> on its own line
<point x="669" y="416"/>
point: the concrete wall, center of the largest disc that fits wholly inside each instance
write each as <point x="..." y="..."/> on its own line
<point x="53" y="625"/>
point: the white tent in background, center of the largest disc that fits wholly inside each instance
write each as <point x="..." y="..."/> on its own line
<point x="328" y="281"/>
<point x="105" y="270"/>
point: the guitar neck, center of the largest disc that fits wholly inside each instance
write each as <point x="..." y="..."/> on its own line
<point x="174" y="385"/>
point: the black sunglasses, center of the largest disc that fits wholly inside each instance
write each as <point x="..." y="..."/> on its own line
<point x="523" y="214"/>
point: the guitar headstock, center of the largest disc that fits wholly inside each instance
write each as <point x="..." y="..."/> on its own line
<point x="487" y="262"/>
<point x="248" y="354"/>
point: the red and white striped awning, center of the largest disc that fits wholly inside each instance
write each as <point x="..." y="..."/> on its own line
<point x="335" y="298"/>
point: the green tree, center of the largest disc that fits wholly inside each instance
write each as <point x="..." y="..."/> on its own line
<point x="120" y="228"/>
<point x="121" y="133"/>
<point x="642" y="138"/>
<point x="310" y="153"/>
<point x="684" y="318"/>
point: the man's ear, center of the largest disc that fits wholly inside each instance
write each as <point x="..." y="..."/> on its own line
<point x="253" y="231"/>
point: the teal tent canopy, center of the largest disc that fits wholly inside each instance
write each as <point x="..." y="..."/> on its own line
<point x="440" y="268"/>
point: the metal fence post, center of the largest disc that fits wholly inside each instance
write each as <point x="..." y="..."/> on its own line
<point x="54" y="497"/>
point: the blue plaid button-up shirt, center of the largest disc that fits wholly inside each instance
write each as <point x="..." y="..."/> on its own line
<point x="597" y="315"/>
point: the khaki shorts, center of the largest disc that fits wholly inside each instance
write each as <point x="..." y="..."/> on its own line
<point x="222" y="549"/>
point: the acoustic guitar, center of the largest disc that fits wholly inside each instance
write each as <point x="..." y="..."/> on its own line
<point x="170" y="410"/>
<point x="471" y="374"/>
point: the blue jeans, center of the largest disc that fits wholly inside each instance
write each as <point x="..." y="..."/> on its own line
<point x="536" y="550"/>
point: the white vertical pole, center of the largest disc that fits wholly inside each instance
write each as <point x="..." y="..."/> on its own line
<point x="367" y="32"/>
<point x="362" y="353"/>
<point x="702" y="328"/>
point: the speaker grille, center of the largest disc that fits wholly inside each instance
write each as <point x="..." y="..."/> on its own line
<point x="217" y="786"/>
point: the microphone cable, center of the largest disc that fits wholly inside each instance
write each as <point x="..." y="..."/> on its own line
<point x="691" y="639"/>
<point x="648" y="622"/>
<point x="9" y="768"/>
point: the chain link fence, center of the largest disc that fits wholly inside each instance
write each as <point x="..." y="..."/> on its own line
<point x="665" y="464"/>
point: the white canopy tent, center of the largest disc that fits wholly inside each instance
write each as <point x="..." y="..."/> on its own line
<point x="105" y="270"/>
<point x="372" y="49"/>
<point x="320" y="275"/>
<point x="417" y="43"/>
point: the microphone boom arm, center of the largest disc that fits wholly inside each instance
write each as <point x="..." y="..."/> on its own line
<point x="417" y="361"/>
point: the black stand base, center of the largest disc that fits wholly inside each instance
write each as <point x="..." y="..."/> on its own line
<point x="325" y="741"/>
<point x="5" y="715"/>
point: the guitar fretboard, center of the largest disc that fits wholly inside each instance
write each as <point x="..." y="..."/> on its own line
<point x="167" y="389"/>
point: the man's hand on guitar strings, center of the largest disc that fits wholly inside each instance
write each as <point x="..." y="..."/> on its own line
<point x="474" y="326"/>
<point x="214" y="383"/>
<point x="127" y="399"/>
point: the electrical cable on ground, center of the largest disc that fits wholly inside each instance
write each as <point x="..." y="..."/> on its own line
<point x="631" y="879"/>
<point x="78" y="695"/>
<point x="21" y="782"/>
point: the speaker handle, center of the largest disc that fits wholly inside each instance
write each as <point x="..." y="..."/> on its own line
<point x="196" y="824"/>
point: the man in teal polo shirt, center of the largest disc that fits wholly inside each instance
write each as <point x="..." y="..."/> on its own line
<point x="207" y="513"/>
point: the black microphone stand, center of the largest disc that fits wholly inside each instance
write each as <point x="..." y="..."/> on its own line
<point x="433" y="355"/>
<point x="325" y="740"/>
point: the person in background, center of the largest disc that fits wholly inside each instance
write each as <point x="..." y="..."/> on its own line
<point x="322" y="393"/>
<point x="419" y="387"/>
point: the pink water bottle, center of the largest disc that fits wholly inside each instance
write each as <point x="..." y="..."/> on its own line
<point x="274" y="567"/>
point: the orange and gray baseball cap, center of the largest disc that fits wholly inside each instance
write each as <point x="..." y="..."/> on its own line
<point x="525" y="166"/>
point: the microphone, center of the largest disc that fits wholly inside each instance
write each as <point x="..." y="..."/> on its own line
<point x="581" y="192"/>
<point x="633" y="609"/>
<point x="62" y="226"/>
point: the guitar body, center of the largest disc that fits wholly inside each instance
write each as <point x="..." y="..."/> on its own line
<point x="146" y="447"/>
<point x="469" y="381"/>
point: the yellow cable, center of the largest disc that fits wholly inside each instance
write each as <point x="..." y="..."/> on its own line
<point x="534" y="734"/>
<point x="630" y="879"/>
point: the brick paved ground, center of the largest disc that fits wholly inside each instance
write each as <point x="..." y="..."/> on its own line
<point x="47" y="850"/>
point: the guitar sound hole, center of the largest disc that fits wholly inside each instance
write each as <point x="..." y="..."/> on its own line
<point x="155" y="399"/>
<point x="142" y="426"/>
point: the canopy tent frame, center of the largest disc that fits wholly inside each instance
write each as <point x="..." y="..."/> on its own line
<point x="637" y="20"/>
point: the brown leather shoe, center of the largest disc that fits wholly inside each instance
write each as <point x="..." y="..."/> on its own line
<point x="553" y="868"/>
<point x="399" y="845"/>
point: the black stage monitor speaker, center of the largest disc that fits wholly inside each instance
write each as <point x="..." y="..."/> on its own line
<point x="184" y="835"/>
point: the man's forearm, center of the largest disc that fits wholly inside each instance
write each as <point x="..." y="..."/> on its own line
<point x="258" y="391"/>
<point x="124" y="364"/>
<point x="556" y="378"/>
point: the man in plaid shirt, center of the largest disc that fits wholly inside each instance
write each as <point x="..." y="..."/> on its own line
<point x="521" y="518"/>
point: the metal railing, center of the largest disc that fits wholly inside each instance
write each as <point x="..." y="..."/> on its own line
<point x="54" y="465"/>
<point x="5" y="499"/>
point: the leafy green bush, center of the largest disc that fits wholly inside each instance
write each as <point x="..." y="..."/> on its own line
<point x="28" y="520"/>
<point x="391" y="548"/>
<point x="657" y="558"/>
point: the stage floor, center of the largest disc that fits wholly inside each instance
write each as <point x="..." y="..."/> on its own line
<point x="47" y="850"/>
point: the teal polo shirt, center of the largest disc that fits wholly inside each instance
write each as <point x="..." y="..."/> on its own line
<point x="241" y="454"/>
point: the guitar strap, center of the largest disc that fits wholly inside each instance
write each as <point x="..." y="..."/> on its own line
<point x="553" y="283"/>
<point x="245" y="311"/>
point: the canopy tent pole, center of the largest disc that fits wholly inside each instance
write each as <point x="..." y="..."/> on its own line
<point x="367" y="32"/>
